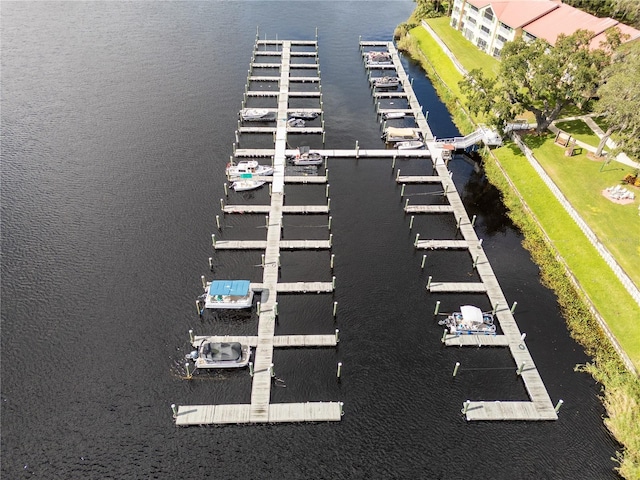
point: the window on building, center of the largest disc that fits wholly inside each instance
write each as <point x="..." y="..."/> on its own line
<point x="454" y="22"/>
<point x="496" y="52"/>
<point x="473" y="9"/>
<point x="488" y="14"/>
<point x="506" y="27"/>
<point x="472" y="21"/>
<point x="501" y="38"/>
<point x="482" y="44"/>
<point x="485" y="29"/>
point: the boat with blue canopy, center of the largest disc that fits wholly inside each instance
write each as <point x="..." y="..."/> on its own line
<point x="228" y="294"/>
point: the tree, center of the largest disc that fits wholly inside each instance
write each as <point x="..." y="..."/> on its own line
<point x="619" y="102"/>
<point x="538" y="77"/>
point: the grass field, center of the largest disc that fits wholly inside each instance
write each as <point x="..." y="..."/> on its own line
<point x="580" y="131"/>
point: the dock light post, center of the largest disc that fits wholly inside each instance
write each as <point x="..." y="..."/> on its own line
<point x="333" y="257"/>
<point x="339" y="371"/>
<point x="513" y="308"/>
<point x="558" y="405"/>
<point x="424" y="259"/>
<point x="402" y="190"/>
<point x="186" y="365"/>
<point x="415" y="243"/>
<point x="335" y="309"/>
<point x="455" y="369"/>
<point x="413" y="217"/>
<point x="437" y="309"/>
<point x="191" y="336"/>
<point x="429" y="286"/>
<point x="465" y="407"/>
<point x="251" y="369"/>
<point x="473" y="221"/>
<point x="211" y="263"/>
<point x="520" y="368"/>
<point x="271" y="371"/>
<point x="174" y="409"/>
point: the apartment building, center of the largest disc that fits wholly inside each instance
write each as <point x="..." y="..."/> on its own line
<point x="489" y="24"/>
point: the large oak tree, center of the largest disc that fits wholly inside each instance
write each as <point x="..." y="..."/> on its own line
<point x="538" y="77"/>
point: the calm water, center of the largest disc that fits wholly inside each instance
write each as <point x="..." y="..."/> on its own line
<point x="117" y="121"/>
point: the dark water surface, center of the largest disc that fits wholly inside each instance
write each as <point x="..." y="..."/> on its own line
<point x="117" y="121"/>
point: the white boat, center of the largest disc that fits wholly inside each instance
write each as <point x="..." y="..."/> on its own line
<point x="392" y="115"/>
<point x="295" y="122"/>
<point x="304" y="156"/>
<point x="245" y="184"/>
<point x="302" y="115"/>
<point x="257" y="115"/>
<point x="410" y="145"/>
<point x="386" y="82"/>
<point x="378" y="58"/>
<point x="228" y="294"/>
<point x="247" y="167"/>
<point x="220" y="354"/>
<point x="470" y="320"/>
<point x="394" y="134"/>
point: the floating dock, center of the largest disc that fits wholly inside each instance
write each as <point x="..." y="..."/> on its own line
<point x="261" y="410"/>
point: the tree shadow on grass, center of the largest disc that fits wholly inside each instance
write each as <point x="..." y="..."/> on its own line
<point x="575" y="127"/>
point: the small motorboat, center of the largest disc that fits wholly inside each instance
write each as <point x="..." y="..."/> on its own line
<point x="410" y="145"/>
<point x="386" y="82"/>
<point x="392" y="115"/>
<point x="248" y="167"/>
<point x="257" y="115"/>
<point x="295" y="122"/>
<point x="227" y="294"/>
<point x="211" y="354"/>
<point x="470" y="320"/>
<point x="378" y="58"/>
<point x="245" y="184"/>
<point x="303" y="115"/>
<point x="304" y="156"/>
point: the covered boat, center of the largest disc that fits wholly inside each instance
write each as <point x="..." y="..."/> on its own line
<point x="220" y="355"/>
<point x="304" y="156"/>
<point x="395" y="134"/>
<point x="245" y="184"/>
<point x="470" y="320"/>
<point x="257" y="115"/>
<point x="228" y="294"/>
<point x="295" y="122"/>
<point x="248" y="167"/>
<point x="378" y="58"/>
<point x="303" y="115"/>
<point x="386" y="82"/>
<point x="392" y="115"/>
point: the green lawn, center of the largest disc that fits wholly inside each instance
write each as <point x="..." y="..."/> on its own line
<point x="466" y="53"/>
<point x="579" y="130"/>
<point x="594" y="275"/>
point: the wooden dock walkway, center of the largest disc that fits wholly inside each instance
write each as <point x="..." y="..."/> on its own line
<point x="261" y="410"/>
<point x="539" y="407"/>
<point x="353" y="153"/>
<point x="262" y="244"/>
<point x="279" y="341"/>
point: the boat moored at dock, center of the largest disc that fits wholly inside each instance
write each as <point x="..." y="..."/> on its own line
<point x="378" y="58"/>
<point x="228" y="294"/>
<point x="257" y="115"/>
<point x="220" y="354"/>
<point x="394" y="134"/>
<point x="470" y="320"/>
<point x="304" y="156"/>
<point x="248" y="167"/>
<point x="410" y="145"/>
<point x="246" y="184"/>
<point x="386" y="82"/>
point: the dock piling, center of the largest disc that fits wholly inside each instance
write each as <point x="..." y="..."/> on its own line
<point x="415" y="243"/>
<point x="397" y="172"/>
<point x="271" y="371"/>
<point x="335" y="309"/>
<point x="520" y="368"/>
<point x="174" y="409"/>
<point x="473" y="221"/>
<point x="337" y="335"/>
<point x="204" y="282"/>
<point x="333" y="282"/>
<point x="198" y="307"/>
<point x="406" y="203"/>
<point x="465" y="407"/>
<point x="522" y="337"/>
<point x="211" y="263"/>
<point x="218" y="221"/>
<point x="191" y="336"/>
<point x="444" y="336"/>
<point x="329" y="225"/>
<point x="495" y="308"/>
<point x="258" y="308"/>
<point x="429" y="286"/>
<point x="558" y="405"/>
<point x="513" y="308"/>
<point x="424" y="259"/>
<point x="222" y="204"/>
<point x="402" y="190"/>
<point x="437" y="309"/>
<point x="226" y="189"/>
<point x="455" y="369"/>
<point x="213" y="239"/>
<point x="186" y="365"/>
<point x="339" y="371"/>
<point x="330" y="239"/>
<point x="251" y="369"/>
<point x="413" y="217"/>
<point x="333" y="257"/>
